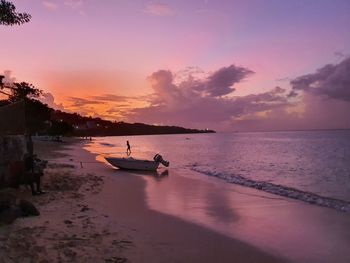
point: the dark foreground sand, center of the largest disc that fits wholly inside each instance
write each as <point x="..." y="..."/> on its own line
<point x="89" y="217"/>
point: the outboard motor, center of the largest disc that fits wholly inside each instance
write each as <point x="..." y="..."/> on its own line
<point x="158" y="158"/>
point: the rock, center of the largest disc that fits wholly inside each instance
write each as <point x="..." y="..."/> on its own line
<point x="9" y="215"/>
<point x="27" y="208"/>
<point x="6" y="200"/>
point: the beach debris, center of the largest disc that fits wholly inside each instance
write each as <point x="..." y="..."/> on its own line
<point x="84" y="208"/>
<point x="68" y="222"/>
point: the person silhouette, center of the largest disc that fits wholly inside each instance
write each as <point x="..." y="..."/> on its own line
<point x="128" y="149"/>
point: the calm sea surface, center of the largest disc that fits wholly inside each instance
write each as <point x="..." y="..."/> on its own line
<point x="313" y="166"/>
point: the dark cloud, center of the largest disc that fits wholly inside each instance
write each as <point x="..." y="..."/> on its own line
<point x="187" y="86"/>
<point x="221" y="81"/>
<point x="339" y="54"/>
<point x="292" y="94"/>
<point x="109" y="106"/>
<point x="194" y="80"/>
<point x="110" y="97"/>
<point x="81" y="102"/>
<point x="332" y="81"/>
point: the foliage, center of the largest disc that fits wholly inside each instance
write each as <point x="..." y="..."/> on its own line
<point x="22" y="91"/>
<point x="37" y="114"/>
<point x="9" y="16"/>
<point x="60" y="128"/>
<point x="101" y="127"/>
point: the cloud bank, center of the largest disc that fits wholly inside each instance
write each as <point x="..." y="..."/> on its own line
<point x="197" y="99"/>
<point x="332" y="81"/>
<point x="204" y="102"/>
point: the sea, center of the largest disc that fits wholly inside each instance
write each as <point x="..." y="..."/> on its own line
<point x="311" y="166"/>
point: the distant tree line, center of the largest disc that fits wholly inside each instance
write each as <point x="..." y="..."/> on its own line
<point x="41" y="119"/>
<point x="100" y="127"/>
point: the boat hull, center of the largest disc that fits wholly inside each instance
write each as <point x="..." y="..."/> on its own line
<point x="133" y="164"/>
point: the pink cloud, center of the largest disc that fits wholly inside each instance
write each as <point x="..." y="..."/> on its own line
<point x="198" y="102"/>
<point x="74" y="4"/>
<point x="8" y="78"/>
<point x="49" y="5"/>
<point x="49" y="99"/>
<point x="158" y="9"/>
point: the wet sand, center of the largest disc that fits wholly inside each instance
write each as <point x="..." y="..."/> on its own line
<point x="94" y="213"/>
<point x="155" y="236"/>
<point x="290" y="229"/>
<point x="297" y="231"/>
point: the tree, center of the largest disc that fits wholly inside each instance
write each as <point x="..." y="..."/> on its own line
<point x="60" y="128"/>
<point x="22" y="91"/>
<point x="9" y="16"/>
<point x="36" y="116"/>
<point x="36" y="113"/>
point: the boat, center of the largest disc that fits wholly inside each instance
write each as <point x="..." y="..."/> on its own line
<point x="137" y="164"/>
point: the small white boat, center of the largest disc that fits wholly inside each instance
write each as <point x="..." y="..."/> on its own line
<point x="137" y="164"/>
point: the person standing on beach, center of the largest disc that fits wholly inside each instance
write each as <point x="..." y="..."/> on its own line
<point x="128" y="149"/>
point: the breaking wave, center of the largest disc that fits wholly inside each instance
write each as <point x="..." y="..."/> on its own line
<point x="281" y="190"/>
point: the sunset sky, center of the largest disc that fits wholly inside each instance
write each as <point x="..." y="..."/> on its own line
<point x="223" y="65"/>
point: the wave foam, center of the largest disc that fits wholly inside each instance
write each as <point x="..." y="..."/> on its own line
<point x="281" y="190"/>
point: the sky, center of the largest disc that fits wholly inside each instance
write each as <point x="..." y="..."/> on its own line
<point x="250" y="65"/>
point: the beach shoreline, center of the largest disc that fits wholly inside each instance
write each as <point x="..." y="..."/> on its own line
<point x="291" y="229"/>
<point x="76" y="225"/>
<point x="93" y="213"/>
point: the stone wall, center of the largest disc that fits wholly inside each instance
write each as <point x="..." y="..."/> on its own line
<point x="12" y="151"/>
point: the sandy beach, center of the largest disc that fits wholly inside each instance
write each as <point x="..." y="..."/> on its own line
<point x="174" y="131"/>
<point x="93" y="213"/>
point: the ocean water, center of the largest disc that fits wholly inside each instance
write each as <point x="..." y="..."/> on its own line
<point x="312" y="166"/>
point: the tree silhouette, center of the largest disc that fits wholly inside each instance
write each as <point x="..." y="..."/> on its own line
<point x="22" y="91"/>
<point x="9" y="16"/>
